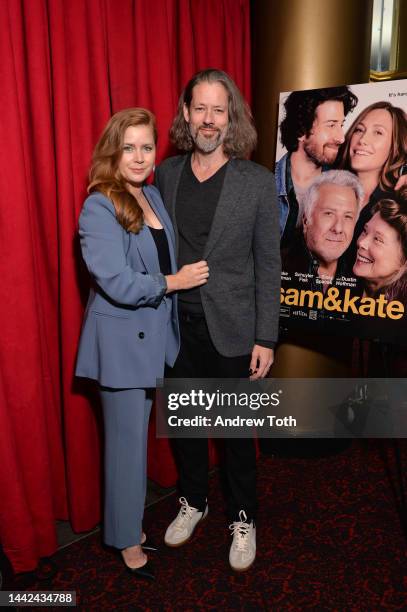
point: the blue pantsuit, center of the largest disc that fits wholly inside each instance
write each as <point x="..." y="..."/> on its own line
<point x="130" y="331"/>
<point x="126" y="413"/>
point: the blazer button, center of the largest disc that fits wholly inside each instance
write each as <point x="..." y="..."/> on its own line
<point x="141" y="335"/>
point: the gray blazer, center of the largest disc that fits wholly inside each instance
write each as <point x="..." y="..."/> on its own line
<point x="241" y="300"/>
<point x="130" y="327"/>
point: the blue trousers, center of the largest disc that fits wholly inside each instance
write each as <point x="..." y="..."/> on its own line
<point x="126" y="414"/>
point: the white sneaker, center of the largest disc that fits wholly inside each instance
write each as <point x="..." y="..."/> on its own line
<point x="182" y="527"/>
<point x="243" y="550"/>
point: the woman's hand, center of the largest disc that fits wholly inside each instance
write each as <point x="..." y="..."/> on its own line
<point x="190" y="275"/>
<point x="402" y="182"/>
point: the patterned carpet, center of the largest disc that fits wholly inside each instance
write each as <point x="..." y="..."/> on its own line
<point x="329" y="538"/>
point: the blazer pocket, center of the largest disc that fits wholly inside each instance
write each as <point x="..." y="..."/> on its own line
<point x="236" y="290"/>
<point x="109" y="315"/>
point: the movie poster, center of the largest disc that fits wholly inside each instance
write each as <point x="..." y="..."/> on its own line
<point x="341" y="173"/>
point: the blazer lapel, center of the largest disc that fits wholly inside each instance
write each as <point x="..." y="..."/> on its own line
<point x="166" y="223"/>
<point x="233" y="187"/>
<point x="146" y="247"/>
<point x="172" y="195"/>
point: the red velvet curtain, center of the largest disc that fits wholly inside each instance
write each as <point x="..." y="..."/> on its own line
<point x="65" y="67"/>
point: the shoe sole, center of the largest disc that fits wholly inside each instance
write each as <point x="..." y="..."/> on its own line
<point x="188" y="539"/>
<point x="242" y="569"/>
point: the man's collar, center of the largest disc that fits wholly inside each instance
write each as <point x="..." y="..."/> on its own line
<point x="280" y="174"/>
<point x="288" y="178"/>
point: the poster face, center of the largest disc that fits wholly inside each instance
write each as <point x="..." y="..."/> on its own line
<point x="341" y="173"/>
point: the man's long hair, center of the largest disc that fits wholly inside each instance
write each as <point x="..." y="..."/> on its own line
<point x="241" y="136"/>
<point x="300" y="110"/>
<point x="104" y="175"/>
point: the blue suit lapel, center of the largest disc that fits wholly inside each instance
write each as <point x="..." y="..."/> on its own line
<point x="171" y="196"/>
<point x="147" y="249"/>
<point x="166" y="223"/>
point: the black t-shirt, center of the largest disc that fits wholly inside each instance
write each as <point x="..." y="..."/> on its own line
<point x="163" y="252"/>
<point x="195" y="209"/>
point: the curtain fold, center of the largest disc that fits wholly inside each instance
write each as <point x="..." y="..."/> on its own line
<point x="65" y="68"/>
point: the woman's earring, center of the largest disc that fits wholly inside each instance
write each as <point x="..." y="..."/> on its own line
<point x="154" y="168"/>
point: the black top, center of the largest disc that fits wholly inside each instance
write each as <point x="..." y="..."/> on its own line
<point x="196" y="205"/>
<point x="163" y="252"/>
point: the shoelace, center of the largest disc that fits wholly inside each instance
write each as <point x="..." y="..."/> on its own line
<point x="184" y="514"/>
<point x="241" y="529"/>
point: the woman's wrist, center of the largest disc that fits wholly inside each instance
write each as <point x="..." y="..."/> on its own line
<point x="172" y="284"/>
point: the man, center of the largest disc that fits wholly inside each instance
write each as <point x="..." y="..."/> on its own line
<point x="224" y="211"/>
<point x="312" y="132"/>
<point x="330" y="212"/>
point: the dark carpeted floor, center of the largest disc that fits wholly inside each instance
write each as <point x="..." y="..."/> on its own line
<point x="329" y="538"/>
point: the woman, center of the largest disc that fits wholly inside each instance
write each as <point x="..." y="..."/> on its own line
<point x="375" y="149"/>
<point x="130" y="328"/>
<point x="381" y="259"/>
<point x="381" y="264"/>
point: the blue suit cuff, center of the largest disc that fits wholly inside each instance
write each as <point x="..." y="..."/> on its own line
<point x="162" y="287"/>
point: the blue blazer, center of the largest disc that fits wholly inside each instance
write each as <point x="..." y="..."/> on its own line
<point x="130" y="327"/>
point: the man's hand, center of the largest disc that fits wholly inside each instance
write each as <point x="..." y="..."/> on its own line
<point x="261" y="362"/>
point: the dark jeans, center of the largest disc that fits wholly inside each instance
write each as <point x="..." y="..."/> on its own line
<point x="198" y="358"/>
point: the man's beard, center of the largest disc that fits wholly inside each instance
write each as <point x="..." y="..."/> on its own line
<point x="207" y="145"/>
<point x="318" y="158"/>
